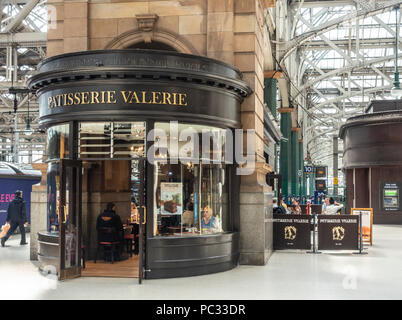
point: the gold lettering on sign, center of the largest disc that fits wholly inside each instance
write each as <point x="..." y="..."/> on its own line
<point x="94" y="96"/>
<point x="112" y="97"/>
<point x="166" y="98"/>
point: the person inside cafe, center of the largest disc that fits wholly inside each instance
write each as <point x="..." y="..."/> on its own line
<point x="188" y="214"/>
<point x="209" y="223"/>
<point x="110" y="219"/>
<point x="333" y="207"/>
<point x="135" y="218"/>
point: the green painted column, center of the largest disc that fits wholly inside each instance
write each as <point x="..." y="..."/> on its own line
<point x="312" y="183"/>
<point x="270" y="90"/>
<point x="284" y="160"/>
<point x="301" y="164"/>
<point x="295" y="163"/>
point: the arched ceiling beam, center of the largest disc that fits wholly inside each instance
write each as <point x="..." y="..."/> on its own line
<point x="375" y="9"/>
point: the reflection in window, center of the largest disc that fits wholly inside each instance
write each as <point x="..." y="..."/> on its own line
<point x="57" y="142"/>
<point x="53" y="196"/>
<point x="192" y="141"/>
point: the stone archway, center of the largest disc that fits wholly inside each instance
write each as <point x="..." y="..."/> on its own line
<point x="132" y="37"/>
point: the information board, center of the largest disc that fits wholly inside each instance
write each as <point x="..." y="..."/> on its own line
<point x="338" y="232"/>
<point x="320" y="184"/>
<point x="292" y="231"/>
<point x="308" y="169"/>
<point x="321" y="172"/>
<point x="367" y="222"/>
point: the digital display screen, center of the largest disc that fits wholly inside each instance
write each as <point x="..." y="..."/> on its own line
<point x="390" y="193"/>
<point x="321" y="172"/>
<point x="320" y="185"/>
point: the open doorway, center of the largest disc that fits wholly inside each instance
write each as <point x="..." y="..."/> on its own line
<point x="111" y="190"/>
<point x="113" y="180"/>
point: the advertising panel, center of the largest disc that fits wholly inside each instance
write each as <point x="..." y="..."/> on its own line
<point x="171" y="198"/>
<point x="367" y="222"/>
<point x="7" y="188"/>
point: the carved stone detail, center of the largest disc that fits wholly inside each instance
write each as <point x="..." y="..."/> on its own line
<point x="146" y="22"/>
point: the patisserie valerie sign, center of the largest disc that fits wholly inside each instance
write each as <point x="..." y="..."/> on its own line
<point x="115" y="96"/>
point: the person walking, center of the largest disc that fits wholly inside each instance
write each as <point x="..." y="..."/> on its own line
<point x="16" y="217"/>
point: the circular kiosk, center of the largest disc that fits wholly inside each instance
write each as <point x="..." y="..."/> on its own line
<point x="372" y="160"/>
<point x="105" y="112"/>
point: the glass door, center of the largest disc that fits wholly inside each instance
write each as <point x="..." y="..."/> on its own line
<point x="69" y="211"/>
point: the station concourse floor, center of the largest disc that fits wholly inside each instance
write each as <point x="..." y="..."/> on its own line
<point x="287" y="275"/>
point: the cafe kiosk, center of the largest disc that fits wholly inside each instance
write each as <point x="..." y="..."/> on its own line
<point x="372" y="160"/>
<point x="100" y="110"/>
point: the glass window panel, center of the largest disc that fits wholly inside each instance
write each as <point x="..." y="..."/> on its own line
<point x="105" y="140"/>
<point x="190" y="199"/>
<point x="128" y="139"/>
<point x="94" y="139"/>
<point x="57" y="142"/>
<point x="53" y="196"/>
<point x="213" y="137"/>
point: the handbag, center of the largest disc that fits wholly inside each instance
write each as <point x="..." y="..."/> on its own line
<point x="4" y="230"/>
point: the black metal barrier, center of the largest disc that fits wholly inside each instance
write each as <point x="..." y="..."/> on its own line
<point x="338" y="232"/>
<point x="292" y="231"/>
<point x="335" y="232"/>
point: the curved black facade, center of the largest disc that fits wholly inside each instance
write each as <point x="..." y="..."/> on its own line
<point x="372" y="140"/>
<point x="190" y="256"/>
<point x="138" y="84"/>
<point x="147" y="85"/>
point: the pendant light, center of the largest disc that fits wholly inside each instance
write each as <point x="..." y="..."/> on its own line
<point x="396" y="91"/>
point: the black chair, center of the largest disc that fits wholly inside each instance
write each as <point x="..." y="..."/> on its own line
<point x="110" y="234"/>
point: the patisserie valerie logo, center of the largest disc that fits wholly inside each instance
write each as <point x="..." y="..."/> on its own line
<point x="338" y="233"/>
<point x="290" y="232"/>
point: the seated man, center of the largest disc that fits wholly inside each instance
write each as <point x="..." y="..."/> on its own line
<point x="110" y="219"/>
<point x="209" y="223"/>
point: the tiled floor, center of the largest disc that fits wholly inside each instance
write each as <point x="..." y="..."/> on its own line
<point x="377" y="275"/>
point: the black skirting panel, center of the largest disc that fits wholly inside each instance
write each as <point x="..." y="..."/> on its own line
<point x="171" y="257"/>
<point x="48" y="251"/>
